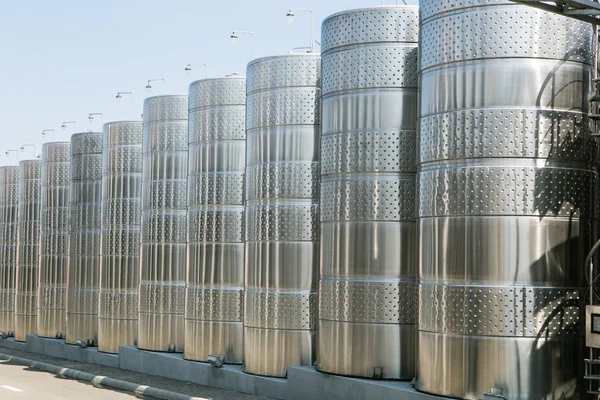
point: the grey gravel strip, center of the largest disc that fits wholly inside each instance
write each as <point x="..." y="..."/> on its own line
<point x="99" y="381"/>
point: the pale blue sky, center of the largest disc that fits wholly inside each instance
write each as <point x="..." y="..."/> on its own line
<point x="63" y="59"/>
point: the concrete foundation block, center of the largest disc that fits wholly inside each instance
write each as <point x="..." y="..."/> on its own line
<point x="11" y="343"/>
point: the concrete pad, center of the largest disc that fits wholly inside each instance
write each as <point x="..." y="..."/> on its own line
<point x="11" y="343"/>
<point x="58" y="348"/>
<point x="308" y="383"/>
<point x="301" y="383"/>
<point x="173" y="366"/>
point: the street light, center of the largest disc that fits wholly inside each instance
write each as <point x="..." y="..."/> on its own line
<point x="290" y="19"/>
<point x="149" y="86"/>
<point x="45" y="132"/>
<point x="234" y="38"/>
<point x="22" y="148"/>
<point x="120" y="96"/>
<point x="7" y="152"/>
<point x="91" y="117"/>
<point x="188" y="69"/>
<point x="64" y="124"/>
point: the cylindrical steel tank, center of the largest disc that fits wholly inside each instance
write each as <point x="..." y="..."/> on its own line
<point x="83" y="276"/>
<point x="164" y="205"/>
<point x="121" y="219"/>
<point x="30" y="190"/>
<point x="367" y="291"/>
<point x="9" y="207"/>
<point x="215" y="261"/>
<point x="52" y="281"/>
<point x="283" y="128"/>
<point x="507" y="199"/>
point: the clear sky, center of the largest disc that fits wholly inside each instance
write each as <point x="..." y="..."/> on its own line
<point x="63" y="59"/>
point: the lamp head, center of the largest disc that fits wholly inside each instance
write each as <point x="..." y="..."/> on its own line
<point x="148" y="87"/>
<point x="22" y="148"/>
<point x="90" y="118"/>
<point x="234" y="38"/>
<point x="64" y="127"/>
<point x="188" y="67"/>
<point x="290" y="17"/>
<point x="118" y="96"/>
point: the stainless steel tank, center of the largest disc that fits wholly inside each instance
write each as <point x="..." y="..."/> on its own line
<point x="283" y="128"/>
<point x="215" y="261"/>
<point x="507" y="199"/>
<point x="30" y="190"/>
<point x="52" y="281"/>
<point x="83" y="272"/>
<point x="121" y="219"/>
<point x="9" y="207"/>
<point x="367" y="291"/>
<point x="164" y="205"/>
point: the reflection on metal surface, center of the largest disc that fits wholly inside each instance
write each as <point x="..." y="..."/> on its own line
<point x="506" y="199"/>
<point x="56" y="187"/>
<point x="282" y="212"/>
<point x="121" y="219"/>
<point x="215" y="271"/>
<point x="83" y="272"/>
<point x="163" y="231"/>
<point x="30" y="173"/>
<point x="367" y="295"/>
<point x="9" y="206"/>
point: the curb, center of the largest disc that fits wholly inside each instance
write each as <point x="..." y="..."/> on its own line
<point x="99" y="381"/>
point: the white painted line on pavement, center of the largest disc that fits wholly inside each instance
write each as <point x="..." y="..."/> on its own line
<point x="11" y="388"/>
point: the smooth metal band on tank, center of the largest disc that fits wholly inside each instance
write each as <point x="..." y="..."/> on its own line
<point x="515" y="311"/>
<point x="380" y="302"/>
<point x="284" y="310"/>
<point x="118" y="305"/>
<point x="531" y="90"/>
<point x="161" y="298"/>
<point x="443" y="39"/>
<point x="215" y="304"/>
<point x="387" y="25"/>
